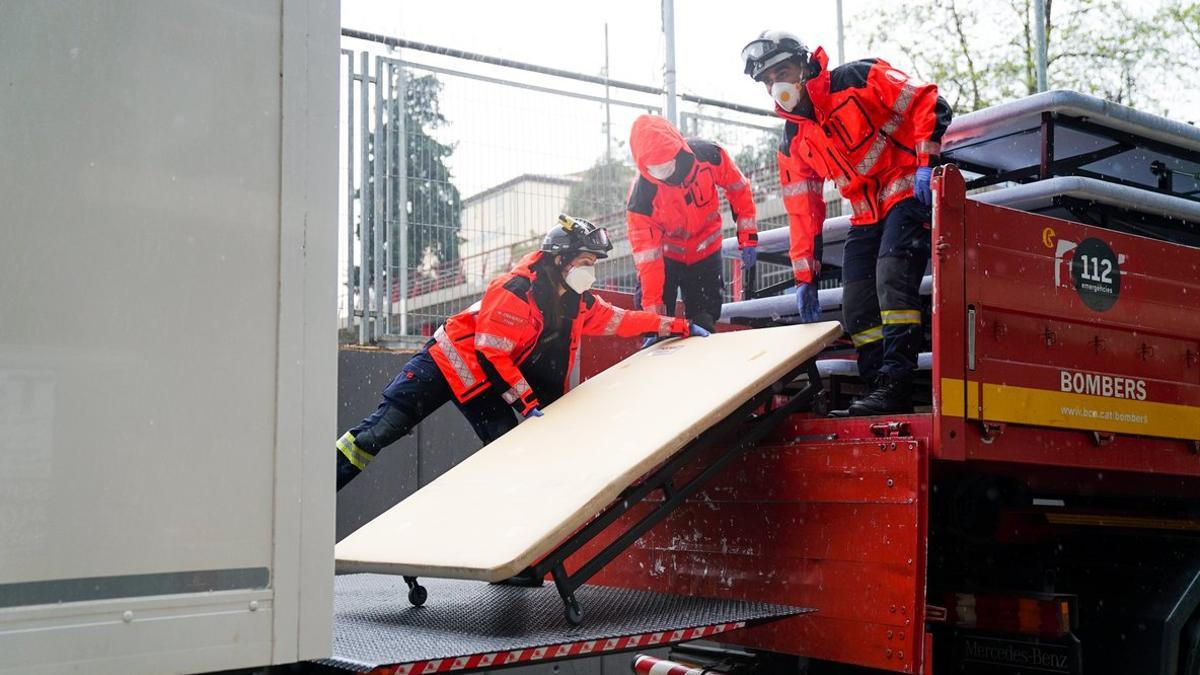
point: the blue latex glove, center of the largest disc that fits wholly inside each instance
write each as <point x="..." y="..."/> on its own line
<point x="649" y="342"/>
<point x="921" y="189"/>
<point x="749" y="256"/>
<point x="697" y="331"/>
<point x="533" y="412"/>
<point x="807" y="303"/>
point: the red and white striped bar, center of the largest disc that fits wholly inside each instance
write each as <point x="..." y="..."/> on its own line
<point x="648" y="665"/>
<point x="559" y="651"/>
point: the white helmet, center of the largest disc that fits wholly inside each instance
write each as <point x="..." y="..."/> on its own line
<point x="770" y="48"/>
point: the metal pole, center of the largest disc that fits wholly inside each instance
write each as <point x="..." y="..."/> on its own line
<point x="389" y="196"/>
<point x="365" y="212"/>
<point x="619" y="84"/>
<point x="668" y="10"/>
<point x="1039" y="18"/>
<point x="607" y="108"/>
<point x="841" y="35"/>
<point x="349" y="190"/>
<point x="377" y="220"/>
<point x="491" y="60"/>
<point x="402" y="168"/>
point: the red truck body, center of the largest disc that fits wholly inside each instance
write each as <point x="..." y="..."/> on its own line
<point x="1066" y="363"/>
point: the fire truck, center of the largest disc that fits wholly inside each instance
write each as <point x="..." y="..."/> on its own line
<point x="1039" y="513"/>
<point x="166" y="502"/>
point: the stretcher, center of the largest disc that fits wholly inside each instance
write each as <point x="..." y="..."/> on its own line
<point x="518" y="508"/>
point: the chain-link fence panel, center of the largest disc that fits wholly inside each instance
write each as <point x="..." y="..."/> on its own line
<point x="455" y="165"/>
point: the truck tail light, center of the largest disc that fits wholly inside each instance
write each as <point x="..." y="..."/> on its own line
<point x="1042" y="615"/>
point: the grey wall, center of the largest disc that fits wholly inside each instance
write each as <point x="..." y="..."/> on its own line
<point x="441" y="441"/>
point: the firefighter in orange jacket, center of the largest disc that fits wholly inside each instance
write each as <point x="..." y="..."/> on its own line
<point x="675" y="220"/>
<point x="875" y="133"/>
<point x="511" y="351"/>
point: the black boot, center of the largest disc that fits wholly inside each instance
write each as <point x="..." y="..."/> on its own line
<point x="890" y="396"/>
<point x="872" y="384"/>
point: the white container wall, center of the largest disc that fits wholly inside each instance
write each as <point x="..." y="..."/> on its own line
<point x="168" y="182"/>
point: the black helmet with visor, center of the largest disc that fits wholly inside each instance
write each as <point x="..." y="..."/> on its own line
<point x="572" y="236"/>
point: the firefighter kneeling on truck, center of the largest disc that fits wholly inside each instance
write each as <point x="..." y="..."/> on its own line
<point x="875" y="133"/>
<point x="509" y="354"/>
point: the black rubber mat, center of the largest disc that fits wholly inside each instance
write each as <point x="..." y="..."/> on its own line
<point x="374" y="624"/>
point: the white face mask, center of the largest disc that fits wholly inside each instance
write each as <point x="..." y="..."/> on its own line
<point x="786" y="94"/>
<point x="581" y="277"/>
<point x="661" y="171"/>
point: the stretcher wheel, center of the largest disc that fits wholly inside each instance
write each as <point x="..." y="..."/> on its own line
<point x="573" y="612"/>
<point x="417" y="595"/>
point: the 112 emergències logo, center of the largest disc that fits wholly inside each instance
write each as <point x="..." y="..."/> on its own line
<point x="1095" y="384"/>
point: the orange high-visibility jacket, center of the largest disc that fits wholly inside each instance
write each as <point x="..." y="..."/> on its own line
<point x="872" y="127"/>
<point x="681" y="222"/>
<point x="506" y="324"/>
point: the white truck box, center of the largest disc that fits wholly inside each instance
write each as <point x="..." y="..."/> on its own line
<point x="168" y="210"/>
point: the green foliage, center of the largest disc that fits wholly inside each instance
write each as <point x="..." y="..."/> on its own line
<point x="1183" y="17"/>
<point x="433" y="201"/>
<point x="601" y="191"/>
<point x="981" y="54"/>
<point x="760" y="159"/>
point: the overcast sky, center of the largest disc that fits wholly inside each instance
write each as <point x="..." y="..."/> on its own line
<point x="570" y="35"/>
<point x="490" y="125"/>
<point x="500" y="131"/>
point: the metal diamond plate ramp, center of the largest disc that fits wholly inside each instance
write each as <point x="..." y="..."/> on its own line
<point x="467" y="625"/>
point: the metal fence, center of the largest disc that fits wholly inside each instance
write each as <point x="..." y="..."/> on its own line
<point x="455" y="164"/>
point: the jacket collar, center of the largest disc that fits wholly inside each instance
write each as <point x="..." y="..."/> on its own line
<point x="524" y="266"/>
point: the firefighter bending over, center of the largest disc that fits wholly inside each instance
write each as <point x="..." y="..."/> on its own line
<point x="675" y="219"/>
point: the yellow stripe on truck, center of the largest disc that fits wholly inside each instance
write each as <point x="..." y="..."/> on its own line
<point x="1042" y="407"/>
<point x="972" y="400"/>
<point x="1065" y="410"/>
<point x="953" y="393"/>
<point x="952" y="397"/>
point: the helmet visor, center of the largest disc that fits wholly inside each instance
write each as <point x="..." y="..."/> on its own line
<point x="763" y="53"/>
<point x="756" y="50"/>
<point x="597" y="241"/>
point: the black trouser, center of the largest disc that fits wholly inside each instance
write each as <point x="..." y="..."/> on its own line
<point x="701" y="284"/>
<point x="413" y="395"/>
<point x="882" y="269"/>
